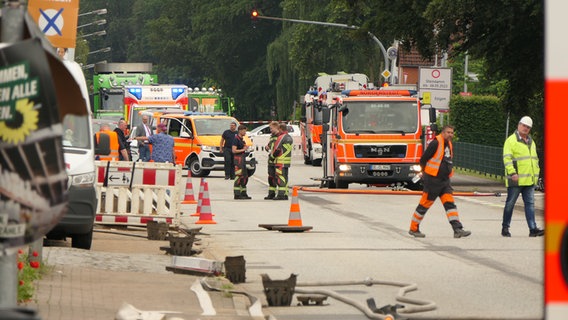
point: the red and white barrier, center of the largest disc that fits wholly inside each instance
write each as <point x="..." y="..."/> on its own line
<point x="133" y="193"/>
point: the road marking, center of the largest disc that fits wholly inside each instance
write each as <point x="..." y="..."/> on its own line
<point x="204" y="299"/>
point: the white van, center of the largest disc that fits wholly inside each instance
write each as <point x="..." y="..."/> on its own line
<point x="79" y="152"/>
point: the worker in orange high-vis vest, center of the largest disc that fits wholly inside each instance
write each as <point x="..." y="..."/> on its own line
<point x="114" y="145"/>
<point x="437" y="168"/>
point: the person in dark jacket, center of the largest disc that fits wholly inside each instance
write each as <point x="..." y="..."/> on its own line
<point x="282" y="154"/>
<point x="272" y="184"/>
<point x="123" y="143"/>
<point x="437" y="169"/>
<point x="241" y="172"/>
<point x="226" y="147"/>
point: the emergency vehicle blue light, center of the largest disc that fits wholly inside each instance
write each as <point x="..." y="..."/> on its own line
<point x="195" y="113"/>
<point x="313" y="92"/>
<point x="137" y="92"/>
<point x="176" y="92"/>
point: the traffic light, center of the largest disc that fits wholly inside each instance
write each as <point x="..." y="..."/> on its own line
<point x="254" y="15"/>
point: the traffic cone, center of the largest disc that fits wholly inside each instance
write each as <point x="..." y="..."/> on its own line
<point x="294" y="219"/>
<point x="189" y="197"/>
<point x="200" y="198"/>
<point x="205" y="215"/>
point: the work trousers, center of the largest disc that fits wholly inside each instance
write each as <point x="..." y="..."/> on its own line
<point x="513" y="193"/>
<point x="241" y="175"/>
<point x="272" y="184"/>
<point x="229" y="163"/>
<point x="434" y="188"/>
<point x="281" y="179"/>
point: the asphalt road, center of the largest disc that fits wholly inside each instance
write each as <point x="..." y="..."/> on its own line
<point x="357" y="237"/>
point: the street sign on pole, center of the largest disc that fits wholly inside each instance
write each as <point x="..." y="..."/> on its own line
<point x="437" y="82"/>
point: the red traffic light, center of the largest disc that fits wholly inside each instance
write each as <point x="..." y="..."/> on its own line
<point x="254" y="14"/>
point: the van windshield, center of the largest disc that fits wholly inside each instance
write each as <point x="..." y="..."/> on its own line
<point x="212" y="126"/>
<point x="76" y="132"/>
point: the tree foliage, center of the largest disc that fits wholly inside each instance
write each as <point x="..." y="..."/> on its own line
<point x="270" y="63"/>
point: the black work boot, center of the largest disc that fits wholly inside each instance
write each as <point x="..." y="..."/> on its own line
<point x="416" y="234"/>
<point x="536" y="232"/>
<point x="245" y="196"/>
<point x="461" y="233"/>
<point x="270" y="196"/>
<point x="281" y="197"/>
<point x="505" y="232"/>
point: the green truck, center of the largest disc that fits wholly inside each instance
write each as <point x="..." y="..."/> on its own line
<point x="109" y="81"/>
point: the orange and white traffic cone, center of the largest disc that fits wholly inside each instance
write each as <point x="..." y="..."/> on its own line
<point x="294" y="219"/>
<point x="205" y="215"/>
<point x="189" y="198"/>
<point x="200" y="198"/>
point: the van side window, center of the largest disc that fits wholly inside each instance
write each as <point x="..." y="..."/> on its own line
<point x="174" y="128"/>
<point x="187" y="126"/>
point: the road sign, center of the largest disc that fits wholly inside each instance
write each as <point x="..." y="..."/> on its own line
<point x="386" y="74"/>
<point x="435" y="78"/>
<point x="57" y="20"/>
<point x="426" y="98"/>
<point x="438" y="82"/>
<point x="119" y="176"/>
<point x="439" y="99"/>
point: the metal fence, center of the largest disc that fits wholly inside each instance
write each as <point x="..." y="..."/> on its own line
<point x="479" y="158"/>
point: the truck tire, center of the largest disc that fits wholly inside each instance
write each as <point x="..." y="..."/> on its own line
<point x="82" y="241"/>
<point x="339" y="184"/>
<point x="195" y="167"/>
<point x="316" y="162"/>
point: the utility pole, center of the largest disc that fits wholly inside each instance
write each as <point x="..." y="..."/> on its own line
<point x="256" y="15"/>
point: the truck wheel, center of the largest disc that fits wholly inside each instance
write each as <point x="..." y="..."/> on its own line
<point x="316" y="163"/>
<point x="195" y="167"/>
<point x="82" y="241"/>
<point x="339" y="184"/>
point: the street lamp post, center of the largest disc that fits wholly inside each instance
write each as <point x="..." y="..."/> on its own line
<point x="97" y="33"/>
<point x="107" y="49"/>
<point x="331" y="24"/>
<point x="98" y="23"/>
<point x="97" y="12"/>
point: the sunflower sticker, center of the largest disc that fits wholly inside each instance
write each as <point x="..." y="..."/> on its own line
<point x="33" y="180"/>
<point x="17" y="115"/>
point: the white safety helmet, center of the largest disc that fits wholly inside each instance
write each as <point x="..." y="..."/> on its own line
<point x="527" y="121"/>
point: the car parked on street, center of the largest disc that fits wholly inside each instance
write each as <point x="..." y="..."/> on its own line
<point x="264" y="130"/>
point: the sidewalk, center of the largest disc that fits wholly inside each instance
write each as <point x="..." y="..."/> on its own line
<point x="129" y="274"/>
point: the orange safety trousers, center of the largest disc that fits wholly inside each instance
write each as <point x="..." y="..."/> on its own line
<point x="425" y="204"/>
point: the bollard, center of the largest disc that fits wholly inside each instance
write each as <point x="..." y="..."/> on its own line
<point x="279" y="292"/>
<point x="181" y="246"/>
<point x="157" y="230"/>
<point x="235" y="269"/>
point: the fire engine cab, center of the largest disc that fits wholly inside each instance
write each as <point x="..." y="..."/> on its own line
<point x="373" y="137"/>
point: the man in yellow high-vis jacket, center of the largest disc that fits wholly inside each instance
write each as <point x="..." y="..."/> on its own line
<point x="522" y="170"/>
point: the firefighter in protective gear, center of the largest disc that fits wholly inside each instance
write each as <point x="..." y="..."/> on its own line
<point x="114" y="145"/>
<point x="241" y="172"/>
<point x="272" y="184"/>
<point x="437" y="167"/>
<point x="282" y="155"/>
<point x="522" y="170"/>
